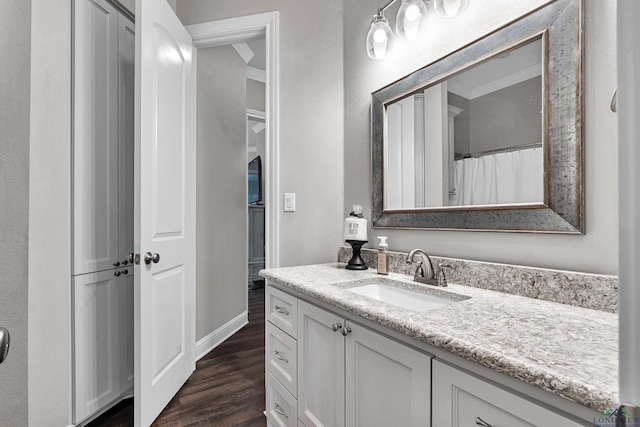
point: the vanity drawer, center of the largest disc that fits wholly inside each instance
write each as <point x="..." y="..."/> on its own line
<point x="282" y="311"/>
<point x="282" y="356"/>
<point x="461" y="400"/>
<point x="282" y="408"/>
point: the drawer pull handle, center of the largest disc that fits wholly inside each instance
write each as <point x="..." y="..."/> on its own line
<point x="481" y="422"/>
<point x="281" y="310"/>
<point x="280" y="411"/>
<point x="280" y="357"/>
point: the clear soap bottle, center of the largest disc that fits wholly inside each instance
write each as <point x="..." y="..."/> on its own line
<point x="383" y="256"/>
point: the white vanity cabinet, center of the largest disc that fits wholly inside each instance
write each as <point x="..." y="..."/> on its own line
<point x="103" y="201"/>
<point x="461" y="399"/>
<point x="347" y="374"/>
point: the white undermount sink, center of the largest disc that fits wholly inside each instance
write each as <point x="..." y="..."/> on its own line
<point x="401" y="297"/>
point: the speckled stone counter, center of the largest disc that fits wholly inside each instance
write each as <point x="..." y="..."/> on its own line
<point x="566" y="350"/>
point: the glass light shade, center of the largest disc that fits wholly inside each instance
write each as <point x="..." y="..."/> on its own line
<point x="411" y="22"/>
<point x="379" y="38"/>
<point x="450" y="8"/>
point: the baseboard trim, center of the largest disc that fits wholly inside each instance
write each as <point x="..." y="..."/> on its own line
<point x="217" y="337"/>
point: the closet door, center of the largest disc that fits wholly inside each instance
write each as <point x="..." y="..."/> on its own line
<point x="96" y="342"/>
<point x="126" y="151"/>
<point x="125" y="284"/>
<point x="126" y="115"/>
<point x="95" y="137"/>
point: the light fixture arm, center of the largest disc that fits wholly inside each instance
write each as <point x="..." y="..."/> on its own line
<point x="385" y="7"/>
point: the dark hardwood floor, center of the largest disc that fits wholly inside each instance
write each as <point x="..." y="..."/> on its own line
<point x="226" y="389"/>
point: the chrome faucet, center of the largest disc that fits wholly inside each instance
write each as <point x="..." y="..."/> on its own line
<point x="424" y="272"/>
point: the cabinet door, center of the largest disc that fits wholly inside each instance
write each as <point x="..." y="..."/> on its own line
<point x="125" y="285"/>
<point x="96" y="342"/>
<point x="320" y="367"/>
<point x="387" y="383"/>
<point x="126" y="116"/>
<point x="95" y="137"/>
<point x="461" y="400"/>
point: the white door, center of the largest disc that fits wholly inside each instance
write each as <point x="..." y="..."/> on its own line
<point x="387" y="383"/>
<point x="320" y="367"/>
<point x="165" y="208"/>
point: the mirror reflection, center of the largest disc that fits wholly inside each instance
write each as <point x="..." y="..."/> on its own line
<point x="473" y="139"/>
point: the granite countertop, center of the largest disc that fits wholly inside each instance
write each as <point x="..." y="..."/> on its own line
<point x="566" y="350"/>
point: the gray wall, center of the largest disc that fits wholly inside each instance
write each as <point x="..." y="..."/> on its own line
<point x="255" y="95"/>
<point x="507" y="117"/>
<point x="50" y="215"/>
<point x="311" y="117"/>
<point x="221" y="207"/>
<point x="15" y="72"/>
<point x="594" y="252"/>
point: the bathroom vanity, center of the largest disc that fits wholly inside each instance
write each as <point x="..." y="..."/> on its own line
<point x="338" y="354"/>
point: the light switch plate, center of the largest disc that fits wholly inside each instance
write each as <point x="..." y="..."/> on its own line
<point x="289" y="202"/>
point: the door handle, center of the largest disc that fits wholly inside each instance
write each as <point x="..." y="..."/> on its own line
<point x="4" y="344"/>
<point x="149" y="257"/>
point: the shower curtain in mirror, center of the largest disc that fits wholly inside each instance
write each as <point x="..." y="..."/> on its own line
<point x="501" y="178"/>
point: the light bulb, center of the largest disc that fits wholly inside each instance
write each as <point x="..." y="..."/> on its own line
<point x="379" y="36"/>
<point x="411" y="19"/>
<point x="412" y="13"/>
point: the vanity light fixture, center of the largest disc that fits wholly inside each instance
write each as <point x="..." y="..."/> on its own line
<point x="411" y="23"/>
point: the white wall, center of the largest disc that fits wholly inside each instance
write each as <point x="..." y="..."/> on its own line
<point x="311" y="117"/>
<point x="221" y="190"/>
<point x="594" y="252"/>
<point x="15" y="45"/>
<point x="50" y="215"/>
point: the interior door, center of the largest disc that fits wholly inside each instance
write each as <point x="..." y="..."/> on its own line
<point x="164" y="208"/>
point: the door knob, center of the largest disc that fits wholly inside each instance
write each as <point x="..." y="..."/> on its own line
<point x="4" y="344"/>
<point x="148" y="257"/>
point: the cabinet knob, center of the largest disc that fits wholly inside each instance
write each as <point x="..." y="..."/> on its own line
<point x="116" y="264"/>
<point x="125" y="262"/>
<point x="280" y="411"/>
<point x="336" y="326"/>
<point x="281" y="310"/>
<point x="125" y="271"/>
<point x="346" y="330"/>
<point x="481" y="422"/>
<point x="117" y="274"/>
<point x="279" y="356"/>
<point x="149" y="257"/>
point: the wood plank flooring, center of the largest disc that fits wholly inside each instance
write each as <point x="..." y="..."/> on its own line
<point x="226" y="389"/>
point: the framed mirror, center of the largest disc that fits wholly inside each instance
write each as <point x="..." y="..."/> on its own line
<point x="489" y="137"/>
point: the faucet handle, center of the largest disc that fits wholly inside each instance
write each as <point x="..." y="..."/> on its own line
<point x="419" y="270"/>
<point x="442" y="279"/>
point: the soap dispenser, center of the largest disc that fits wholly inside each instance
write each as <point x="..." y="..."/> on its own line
<point x="383" y="256"/>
